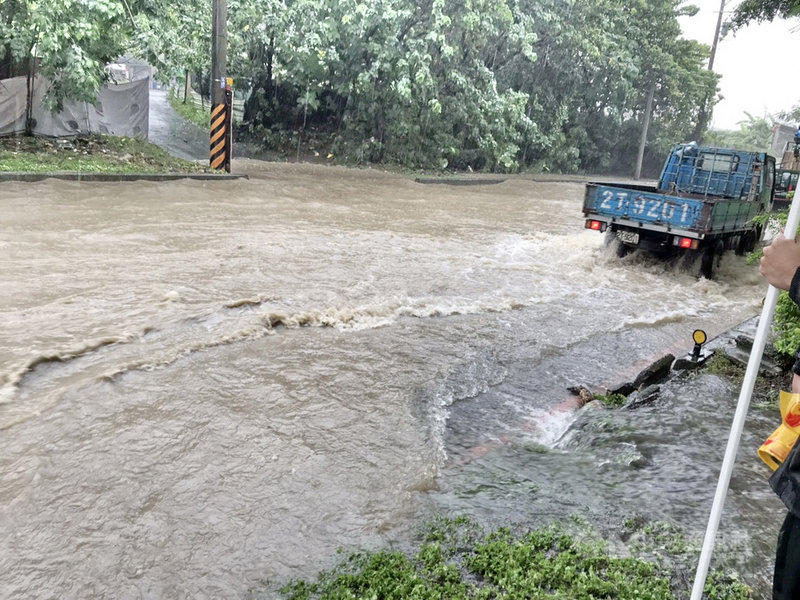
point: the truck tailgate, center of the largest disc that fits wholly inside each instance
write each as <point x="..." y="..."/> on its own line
<point x="645" y="207"/>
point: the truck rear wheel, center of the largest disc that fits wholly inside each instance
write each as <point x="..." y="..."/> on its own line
<point x="710" y="259"/>
<point x="747" y="243"/>
<point x="612" y="242"/>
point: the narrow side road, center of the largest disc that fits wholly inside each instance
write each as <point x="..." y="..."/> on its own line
<point x="172" y="132"/>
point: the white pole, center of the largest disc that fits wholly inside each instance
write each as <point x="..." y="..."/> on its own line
<point x="760" y="340"/>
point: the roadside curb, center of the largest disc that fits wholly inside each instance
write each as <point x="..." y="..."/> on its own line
<point x="735" y="343"/>
<point x="111" y="177"/>
<point x="459" y="180"/>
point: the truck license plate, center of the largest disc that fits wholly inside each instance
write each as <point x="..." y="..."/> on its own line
<point x="628" y="237"/>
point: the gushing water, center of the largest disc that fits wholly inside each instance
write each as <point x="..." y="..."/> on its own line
<point x="209" y="385"/>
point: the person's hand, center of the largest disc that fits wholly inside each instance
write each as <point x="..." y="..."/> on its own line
<point x="795" y="383"/>
<point x="780" y="262"/>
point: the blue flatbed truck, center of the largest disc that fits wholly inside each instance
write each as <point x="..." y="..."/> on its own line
<point x="704" y="203"/>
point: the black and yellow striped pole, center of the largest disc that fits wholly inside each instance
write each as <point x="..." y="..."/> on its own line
<point x="219" y="137"/>
<point x="222" y="130"/>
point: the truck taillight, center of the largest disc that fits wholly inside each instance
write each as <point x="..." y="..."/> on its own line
<point x="687" y="243"/>
<point x="595" y="225"/>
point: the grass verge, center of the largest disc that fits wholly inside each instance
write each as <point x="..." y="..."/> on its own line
<point x="93" y="153"/>
<point x="457" y="561"/>
<point x="190" y="111"/>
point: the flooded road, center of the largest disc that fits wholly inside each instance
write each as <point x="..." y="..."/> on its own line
<point x="207" y="386"/>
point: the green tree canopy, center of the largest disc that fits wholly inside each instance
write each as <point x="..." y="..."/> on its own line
<point x="555" y="84"/>
<point x="172" y="35"/>
<point x="72" y="40"/>
<point x="764" y="10"/>
<point x="483" y="84"/>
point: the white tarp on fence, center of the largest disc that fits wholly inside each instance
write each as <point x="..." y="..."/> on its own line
<point x="118" y="110"/>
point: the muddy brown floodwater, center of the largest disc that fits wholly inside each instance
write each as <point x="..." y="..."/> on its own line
<point x="210" y="385"/>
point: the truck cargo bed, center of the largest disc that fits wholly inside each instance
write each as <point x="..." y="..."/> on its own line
<point x="646" y="206"/>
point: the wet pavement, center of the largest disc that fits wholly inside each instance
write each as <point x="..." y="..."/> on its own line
<point x="176" y="135"/>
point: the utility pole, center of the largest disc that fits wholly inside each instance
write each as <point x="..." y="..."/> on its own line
<point x="219" y="147"/>
<point x="702" y="117"/>
<point x="716" y="35"/>
<point x="645" y="126"/>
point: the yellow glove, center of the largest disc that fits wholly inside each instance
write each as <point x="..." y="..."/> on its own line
<point x="777" y="447"/>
